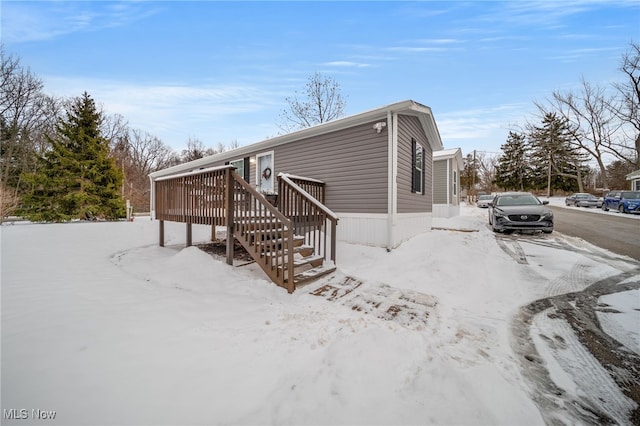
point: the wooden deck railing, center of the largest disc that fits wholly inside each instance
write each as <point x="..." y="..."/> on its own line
<point x="307" y="212"/>
<point x="220" y="197"/>
<point x="192" y="197"/>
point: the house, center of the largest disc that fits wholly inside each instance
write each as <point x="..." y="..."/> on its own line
<point x="634" y="178"/>
<point x="371" y="171"/>
<point x="377" y="167"/>
<point x="447" y="166"/>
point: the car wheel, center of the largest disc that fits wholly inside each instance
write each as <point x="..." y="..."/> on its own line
<point x="605" y="208"/>
<point x="547" y="231"/>
<point x="621" y="208"/>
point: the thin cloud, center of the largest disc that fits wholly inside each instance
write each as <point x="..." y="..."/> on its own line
<point x="172" y="109"/>
<point x="480" y="124"/>
<point x="542" y="14"/>
<point x="415" y="49"/>
<point x="38" y="21"/>
<point x="428" y="45"/>
<point x="346" y="64"/>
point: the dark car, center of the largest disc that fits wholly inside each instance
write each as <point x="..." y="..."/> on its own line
<point x="623" y="201"/>
<point x="519" y="211"/>
<point x="582" y="199"/>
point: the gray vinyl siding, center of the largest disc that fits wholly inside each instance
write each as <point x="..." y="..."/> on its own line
<point x="352" y="162"/>
<point x="440" y="182"/>
<point x="409" y="202"/>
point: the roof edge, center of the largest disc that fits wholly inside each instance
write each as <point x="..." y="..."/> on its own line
<point x="408" y="106"/>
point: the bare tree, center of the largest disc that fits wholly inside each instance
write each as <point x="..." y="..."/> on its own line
<point x="591" y="121"/>
<point x="321" y="101"/>
<point x="234" y="144"/>
<point x="139" y="153"/>
<point x="487" y="165"/>
<point x="628" y="107"/>
<point x="115" y="129"/>
<point x="196" y="149"/>
<point x="26" y="116"/>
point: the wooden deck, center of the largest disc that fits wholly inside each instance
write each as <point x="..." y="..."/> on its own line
<point x="296" y="233"/>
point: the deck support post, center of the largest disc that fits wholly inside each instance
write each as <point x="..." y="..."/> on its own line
<point x="229" y="193"/>
<point x="161" y="233"/>
<point x="189" y="234"/>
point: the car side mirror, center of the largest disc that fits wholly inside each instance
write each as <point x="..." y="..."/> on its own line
<point x="490" y="204"/>
<point x="545" y="202"/>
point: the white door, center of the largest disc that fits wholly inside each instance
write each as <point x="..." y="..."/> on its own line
<point x="265" y="174"/>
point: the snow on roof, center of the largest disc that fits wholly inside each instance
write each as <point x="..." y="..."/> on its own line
<point x="634" y="175"/>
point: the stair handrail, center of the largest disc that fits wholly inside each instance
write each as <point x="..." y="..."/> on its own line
<point x="285" y="179"/>
<point x="265" y="263"/>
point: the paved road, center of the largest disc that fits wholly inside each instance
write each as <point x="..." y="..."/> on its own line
<point x="614" y="232"/>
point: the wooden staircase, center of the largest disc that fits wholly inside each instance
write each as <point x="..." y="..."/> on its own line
<point x="293" y="243"/>
<point x="268" y="245"/>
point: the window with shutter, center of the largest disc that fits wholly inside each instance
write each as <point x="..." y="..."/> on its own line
<point x="417" y="166"/>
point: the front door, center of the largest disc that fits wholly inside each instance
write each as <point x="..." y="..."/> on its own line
<point x="265" y="175"/>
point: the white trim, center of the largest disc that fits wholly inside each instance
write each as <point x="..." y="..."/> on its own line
<point x="392" y="175"/>
<point x="448" y="182"/>
<point x="446" y="210"/>
<point x="371" y="229"/>
<point x="152" y="199"/>
<point x="273" y="171"/>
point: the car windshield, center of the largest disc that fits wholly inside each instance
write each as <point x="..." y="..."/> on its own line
<point x="517" y="200"/>
<point x="485" y="197"/>
<point x="631" y="195"/>
<point x="584" y="195"/>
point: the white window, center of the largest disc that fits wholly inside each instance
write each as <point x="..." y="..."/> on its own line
<point x="455" y="183"/>
<point x="265" y="173"/>
<point x="417" y="175"/>
<point x="239" y="165"/>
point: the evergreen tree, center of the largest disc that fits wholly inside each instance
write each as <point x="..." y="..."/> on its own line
<point x="552" y="152"/>
<point x="76" y="178"/>
<point x="513" y="170"/>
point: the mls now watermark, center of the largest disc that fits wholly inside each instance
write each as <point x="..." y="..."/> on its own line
<point x="24" y="414"/>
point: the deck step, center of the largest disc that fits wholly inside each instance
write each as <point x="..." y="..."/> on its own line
<point x="255" y="234"/>
<point x="302" y="250"/>
<point x="297" y="241"/>
<point x="313" y="261"/>
<point x="313" y="274"/>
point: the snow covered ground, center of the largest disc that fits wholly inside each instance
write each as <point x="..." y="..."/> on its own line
<point x="102" y="326"/>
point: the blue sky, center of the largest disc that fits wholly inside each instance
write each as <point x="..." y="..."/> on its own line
<point x="220" y="71"/>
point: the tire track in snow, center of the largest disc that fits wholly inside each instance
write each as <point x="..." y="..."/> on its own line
<point x="577" y="309"/>
<point x="574" y="280"/>
<point x="512" y="248"/>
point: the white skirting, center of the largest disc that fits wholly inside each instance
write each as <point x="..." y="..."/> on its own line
<point x="446" y="210"/>
<point x="373" y="229"/>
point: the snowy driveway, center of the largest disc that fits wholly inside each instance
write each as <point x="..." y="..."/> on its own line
<point x="101" y="326"/>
